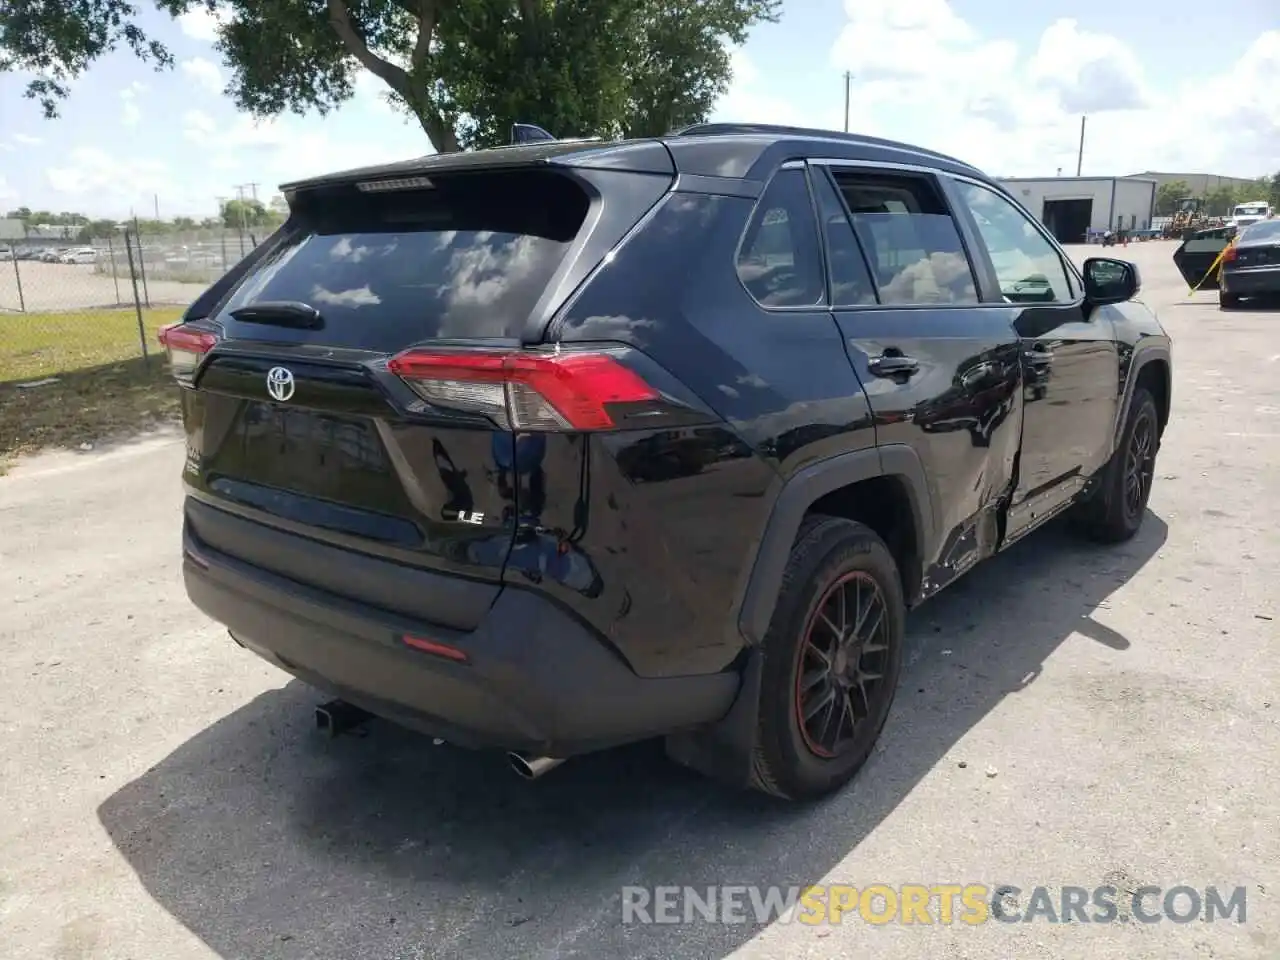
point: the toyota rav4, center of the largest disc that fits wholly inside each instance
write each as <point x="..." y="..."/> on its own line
<point x="549" y="448"/>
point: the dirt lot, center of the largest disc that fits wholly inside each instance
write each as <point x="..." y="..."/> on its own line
<point x="1073" y="715"/>
<point x="53" y="287"/>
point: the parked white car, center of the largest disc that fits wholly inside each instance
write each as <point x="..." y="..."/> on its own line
<point x="79" y="255"/>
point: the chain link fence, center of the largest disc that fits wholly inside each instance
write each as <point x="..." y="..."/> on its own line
<point x="79" y="353"/>
<point x="65" y="305"/>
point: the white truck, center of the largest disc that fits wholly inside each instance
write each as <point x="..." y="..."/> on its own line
<point x="1252" y="211"/>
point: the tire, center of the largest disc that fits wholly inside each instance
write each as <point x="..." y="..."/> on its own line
<point x="1112" y="515"/>
<point x="830" y="555"/>
<point x="1228" y="301"/>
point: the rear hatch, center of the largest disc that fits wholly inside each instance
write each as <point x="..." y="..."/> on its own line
<point x="352" y="387"/>
<point x="1258" y="246"/>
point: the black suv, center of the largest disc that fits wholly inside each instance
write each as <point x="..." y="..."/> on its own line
<point x="554" y="447"/>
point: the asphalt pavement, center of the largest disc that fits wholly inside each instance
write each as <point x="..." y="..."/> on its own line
<point x="1073" y="715"/>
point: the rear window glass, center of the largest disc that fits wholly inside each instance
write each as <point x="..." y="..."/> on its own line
<point x="910" y="238"/>
<point x="469" y="257"/>
<point x="1266" y="230"/>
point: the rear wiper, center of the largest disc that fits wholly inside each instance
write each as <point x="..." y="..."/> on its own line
<point x="281" y="313"/>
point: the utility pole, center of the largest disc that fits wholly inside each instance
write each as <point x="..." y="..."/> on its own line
<point x="848" y="81"/>
<point x="156" y="197"/>
<point x="1080" y="155"/>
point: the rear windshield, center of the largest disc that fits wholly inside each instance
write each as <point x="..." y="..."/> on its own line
<point x="1266" y="230"/>
<point x="469" y="257"/>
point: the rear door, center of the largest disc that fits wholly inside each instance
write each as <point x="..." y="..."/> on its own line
<point x="302" y="417"/>
<point x="940" y="368"/>
<point x="1197" y="257"/>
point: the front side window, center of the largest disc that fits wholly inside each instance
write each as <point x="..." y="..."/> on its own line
<point x="780" y="262"/>
<point x="1027" y="265"/>
<point x="912" y="242"/>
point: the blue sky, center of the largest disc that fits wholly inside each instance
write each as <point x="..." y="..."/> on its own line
<point x="996" y="84"/>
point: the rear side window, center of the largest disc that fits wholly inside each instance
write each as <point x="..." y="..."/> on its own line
<point x="780" y="262"/>
<point x="911" y="240"/>
<point x="469" y="257"/>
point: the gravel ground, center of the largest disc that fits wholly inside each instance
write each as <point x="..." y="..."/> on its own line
<point x="1073" y="715"/>
<point x="70" y="287"/>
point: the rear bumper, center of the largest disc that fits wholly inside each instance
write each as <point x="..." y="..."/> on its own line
<point x="536" y="679"/>
<point x="1254" y="281"/>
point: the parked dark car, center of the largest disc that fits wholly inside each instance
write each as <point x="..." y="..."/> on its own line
<point x="550" y="448"/>
<point x="1251" y="265"/>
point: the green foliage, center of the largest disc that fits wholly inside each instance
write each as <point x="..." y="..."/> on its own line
<point x="58" y="39"/>
<point x="464" y="69"/>
<point x="241" y="214"/>
<point x="1168" y="195"/>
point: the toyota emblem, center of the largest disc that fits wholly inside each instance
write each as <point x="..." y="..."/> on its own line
<point x="280" y="383"/>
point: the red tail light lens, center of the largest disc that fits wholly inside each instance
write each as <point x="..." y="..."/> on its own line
<point x="524" y="391"/>
<point x="1230" y="253"/>
<point x="185" y="347"/>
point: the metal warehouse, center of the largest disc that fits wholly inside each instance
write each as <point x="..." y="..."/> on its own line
<point x="1072" y="207"/>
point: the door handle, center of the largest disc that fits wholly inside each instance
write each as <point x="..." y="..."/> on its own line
<point x="890" y="366"/>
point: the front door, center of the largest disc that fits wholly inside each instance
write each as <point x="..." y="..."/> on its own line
<point x="1070" y="364"/>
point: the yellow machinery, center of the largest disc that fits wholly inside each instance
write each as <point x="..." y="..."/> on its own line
<point x="1187" y="218"/>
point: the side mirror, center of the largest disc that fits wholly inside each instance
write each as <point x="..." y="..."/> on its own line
<point x="1110" y="281"/>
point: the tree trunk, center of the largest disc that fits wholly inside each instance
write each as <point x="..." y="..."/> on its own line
<point x="440" y="133"/>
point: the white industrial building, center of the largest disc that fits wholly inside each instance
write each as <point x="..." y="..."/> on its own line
<point x="1072" y="207"/>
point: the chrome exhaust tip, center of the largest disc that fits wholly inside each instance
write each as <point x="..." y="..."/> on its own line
<point x="531" y="768"/>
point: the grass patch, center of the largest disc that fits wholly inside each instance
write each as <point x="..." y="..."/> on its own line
<point x="87" y="406"/>
<point x="104" y="388"/>
<point x="37" y="345"/>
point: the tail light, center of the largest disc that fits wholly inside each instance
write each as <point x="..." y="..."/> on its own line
<point x="185" y="347"/>
<point x="1230" y="253"/>
<point x="525" y="391"/>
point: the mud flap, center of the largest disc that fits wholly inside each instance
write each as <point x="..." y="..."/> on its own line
<point x="724" y="750"/>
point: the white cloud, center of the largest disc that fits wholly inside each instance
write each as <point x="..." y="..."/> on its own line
<point x="204" y="72"/>
<point x="200" y="24"/>
<point x="26" y="140"/>
<point x="130" y="112"/>
<point x="93" y="172"/>
<point x="198" y="126"/>
<point x="925" y="75"/>
<point x="6" y="192"/>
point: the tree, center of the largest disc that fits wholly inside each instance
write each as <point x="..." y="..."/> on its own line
<point x="464" y="69"/>
<point x="1168" y="195"/>
<point x="58" y="41"/>
<point x="1219" y="201"/>
<point x="241" y="214"/>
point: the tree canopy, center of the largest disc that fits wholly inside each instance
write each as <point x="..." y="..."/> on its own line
<point x="464" y="69"/>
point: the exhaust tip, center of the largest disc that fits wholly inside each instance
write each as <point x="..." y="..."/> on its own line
<point x="531" y="768"/>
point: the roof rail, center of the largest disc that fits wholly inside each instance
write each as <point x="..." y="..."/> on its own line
<point x="732" y="129"/>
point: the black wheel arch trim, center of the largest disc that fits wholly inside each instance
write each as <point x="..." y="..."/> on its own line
<point x="800" y="492"/>
<point x="1144" y="354"/>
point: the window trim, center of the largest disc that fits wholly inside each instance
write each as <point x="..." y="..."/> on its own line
<point x="825" y="173"/>
<point x="963" y="230"/>
<point x="823" y="305"/>
<point x="1075" y="283"/>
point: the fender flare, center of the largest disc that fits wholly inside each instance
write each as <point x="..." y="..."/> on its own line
<point x="724" y="749"/>
<point x="1144" y="353"/>
<point x="898" y="460"/>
